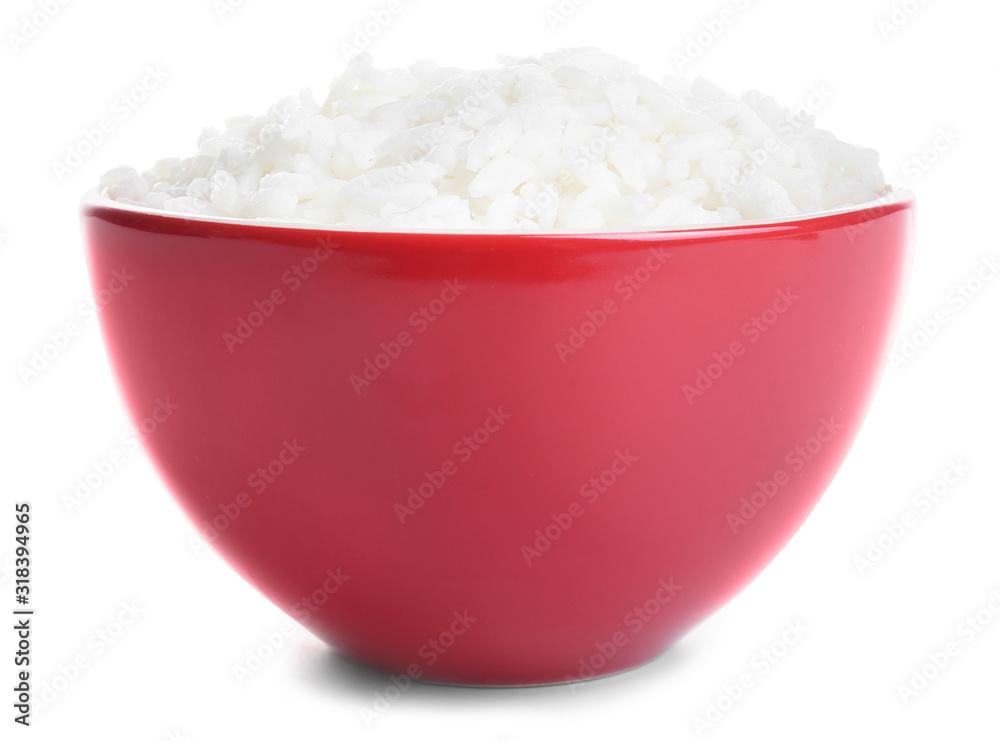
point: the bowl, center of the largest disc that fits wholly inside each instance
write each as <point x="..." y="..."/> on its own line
<point x="498" y="458"/>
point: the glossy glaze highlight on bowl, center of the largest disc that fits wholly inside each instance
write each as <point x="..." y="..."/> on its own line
<point x="494" y="458"/>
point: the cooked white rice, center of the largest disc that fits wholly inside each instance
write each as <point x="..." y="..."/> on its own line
<point x="575" y="139"/>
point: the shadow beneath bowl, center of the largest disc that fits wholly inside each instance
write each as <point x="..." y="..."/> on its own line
<point x="328" y="669"/>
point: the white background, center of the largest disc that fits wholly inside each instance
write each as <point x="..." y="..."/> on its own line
<point x="170" y="674"/>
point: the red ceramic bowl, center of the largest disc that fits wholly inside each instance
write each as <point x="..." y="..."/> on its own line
<point x="494" y="458"/>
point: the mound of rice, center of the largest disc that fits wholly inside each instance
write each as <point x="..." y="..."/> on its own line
<point x="575" y="139"/>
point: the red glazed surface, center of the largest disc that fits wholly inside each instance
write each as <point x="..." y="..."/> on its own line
<point x="449" y="593"/>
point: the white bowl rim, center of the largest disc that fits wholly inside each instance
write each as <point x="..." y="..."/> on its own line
<point x="95" y="198"/>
